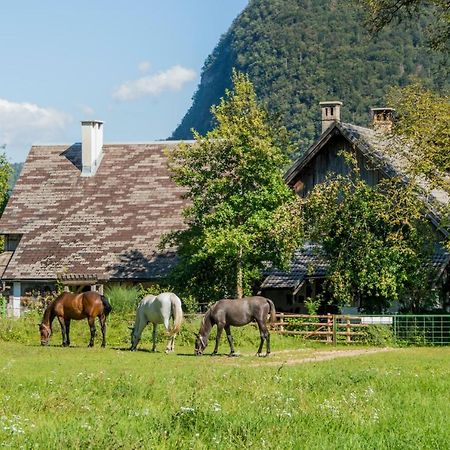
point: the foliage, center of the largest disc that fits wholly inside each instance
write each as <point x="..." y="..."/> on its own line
<point x="106" y="398"/>
<point x="5" y="173"/>
<point x="123" y="298"/>
<point x="378" y="335"/>
<point x="377" y="239"/>
<point x="16" y="169"/>
<point x="383" y="12"/>
<point x="241" y="214"/>
<point x="423" y="127"/>
<point x="300" y="52"/>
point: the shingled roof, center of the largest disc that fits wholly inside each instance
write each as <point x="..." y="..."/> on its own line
<point x="308" y="262"/>
<point x="107" y="226"/>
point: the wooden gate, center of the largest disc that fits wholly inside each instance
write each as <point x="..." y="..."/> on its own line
<point x="329" y="328"/>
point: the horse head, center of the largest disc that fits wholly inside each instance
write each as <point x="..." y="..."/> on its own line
<point x="46" y="332"/>
<point x="134" y="338"/>
<point x="200" y="344"/>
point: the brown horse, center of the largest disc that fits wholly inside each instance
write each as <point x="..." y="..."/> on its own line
<point x="237" y="313"/>
<point x="68" y="306"/>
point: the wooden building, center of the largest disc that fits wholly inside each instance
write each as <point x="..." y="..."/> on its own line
<point x="372" y="148"/>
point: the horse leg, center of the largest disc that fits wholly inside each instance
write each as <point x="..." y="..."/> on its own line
<point x="170" y="342"/>
<point x="220" y="327"/>
<point x="264" y="336"/>
<point x="91" y="322"/>
<point x="67" y="324"/>
<point x="102" y="320"/>
<point x="155" y="325"/>
<point x="63" y="331"/>
<point x="230" y="340"/>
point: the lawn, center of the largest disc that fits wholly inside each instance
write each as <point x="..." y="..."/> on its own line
<point x="300" y="398"/>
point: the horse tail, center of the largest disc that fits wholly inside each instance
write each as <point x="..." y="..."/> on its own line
<point x="177" y="313"/>
<point x="107" y="308"/>
<point x="272" y="311"/>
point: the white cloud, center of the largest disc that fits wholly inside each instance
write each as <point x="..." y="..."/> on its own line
<point x="87" y="111"/>
<point x="172" y="79"/>
<point x="22" y="124"/>
<point x="144" y="66"/>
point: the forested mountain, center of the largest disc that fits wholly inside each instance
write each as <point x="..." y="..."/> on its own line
<point x="300" y="52"/>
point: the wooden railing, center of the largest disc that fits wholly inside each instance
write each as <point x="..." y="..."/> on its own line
<point x="328" y="328"/>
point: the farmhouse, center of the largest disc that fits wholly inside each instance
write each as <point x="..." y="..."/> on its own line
<point x="87" y="214"/>
<point x="372" y="148"/>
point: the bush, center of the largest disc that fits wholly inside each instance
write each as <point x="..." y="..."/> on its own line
<point x="378" y="335"/>
<point x="123" y="299"/>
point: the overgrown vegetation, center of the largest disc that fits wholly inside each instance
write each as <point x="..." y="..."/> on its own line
<point x="300" y="52"/>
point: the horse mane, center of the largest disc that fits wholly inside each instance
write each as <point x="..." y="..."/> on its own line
<point x="49" y="313"/>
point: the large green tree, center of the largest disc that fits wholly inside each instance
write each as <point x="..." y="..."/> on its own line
<point x="377" y="240"/>
<point x="422" y="129"/>
<point x="241" y="216"/>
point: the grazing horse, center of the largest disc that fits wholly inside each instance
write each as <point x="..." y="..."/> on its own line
<point x="68" y="306"/>
<point x="237" y="313"/>
<point x="158" y="309"/>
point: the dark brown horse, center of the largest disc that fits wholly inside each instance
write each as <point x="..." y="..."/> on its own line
<point x="226" y="313"/>
<point x="68" y="306"/>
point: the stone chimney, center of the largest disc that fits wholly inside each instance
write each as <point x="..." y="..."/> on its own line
<point x="382" y="119"/>
<point x="331" y="112"/>
<point x="91" y="146"/>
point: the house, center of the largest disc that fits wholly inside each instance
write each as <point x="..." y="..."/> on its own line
<point x="90" y="213"/>
<point x="372" y="149"/>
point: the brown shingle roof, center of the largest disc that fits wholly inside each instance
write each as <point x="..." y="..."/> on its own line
<point x="108" y="225"/>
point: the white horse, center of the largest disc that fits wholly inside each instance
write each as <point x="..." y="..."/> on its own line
<point x="158" y="309"/>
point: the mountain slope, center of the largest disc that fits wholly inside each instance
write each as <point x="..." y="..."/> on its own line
<point x="300" y="52"/>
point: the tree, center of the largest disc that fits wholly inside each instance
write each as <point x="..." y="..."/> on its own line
<point x="423" y="128"/>
<point x="377" y="239"/>
<point x="383" y="12"/>
<point x="241" y="216"/>
<point x="5" y="174"/>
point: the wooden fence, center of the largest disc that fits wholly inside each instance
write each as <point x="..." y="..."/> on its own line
<point x="328" y="328"/>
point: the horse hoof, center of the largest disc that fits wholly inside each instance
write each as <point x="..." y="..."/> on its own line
<point x="233" y="355"/>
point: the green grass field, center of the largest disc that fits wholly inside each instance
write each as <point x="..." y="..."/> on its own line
<point x="53" y="398"/>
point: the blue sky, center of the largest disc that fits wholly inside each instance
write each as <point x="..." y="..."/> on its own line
<point x="134" y="65"/>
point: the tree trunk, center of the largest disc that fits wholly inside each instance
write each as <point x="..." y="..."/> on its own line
<point x="239" y="288"/>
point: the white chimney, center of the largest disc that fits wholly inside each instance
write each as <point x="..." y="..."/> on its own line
<point x="331" y="112"/>
<point x="91" y="146"/>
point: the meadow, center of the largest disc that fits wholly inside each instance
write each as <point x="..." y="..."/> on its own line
<point x="301" y="397"/>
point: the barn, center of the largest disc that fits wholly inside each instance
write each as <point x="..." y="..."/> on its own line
<point x="372" y="146"/>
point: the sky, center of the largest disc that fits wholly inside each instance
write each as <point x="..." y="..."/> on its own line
<point x="134" y="65"/>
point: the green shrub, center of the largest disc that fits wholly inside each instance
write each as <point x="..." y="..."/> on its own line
<point x="378" y="335"/>
<point x="123" y="299"/>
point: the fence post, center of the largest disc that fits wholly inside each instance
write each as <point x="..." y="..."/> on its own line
<point x="281" y="320"/>
<point x="329" y="325"/>
<point x="348" y="329"/>
<point x="334" y="330"/>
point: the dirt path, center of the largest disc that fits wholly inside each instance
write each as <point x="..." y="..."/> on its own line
<point x="316" y="357"/>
